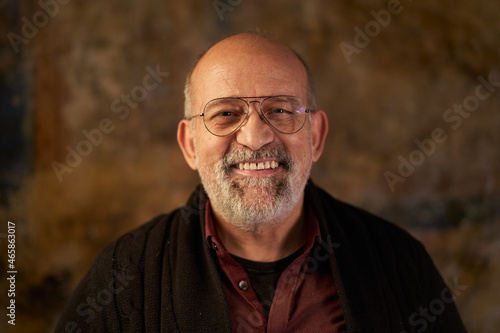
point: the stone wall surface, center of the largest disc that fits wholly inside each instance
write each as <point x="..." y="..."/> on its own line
<point x="411" y="89"/>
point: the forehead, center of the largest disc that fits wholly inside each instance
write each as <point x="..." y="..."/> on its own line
<point x="248" y="68"/>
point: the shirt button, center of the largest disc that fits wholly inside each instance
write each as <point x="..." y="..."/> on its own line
<point x="243" y="285"/>
<point x="214" y="246"/>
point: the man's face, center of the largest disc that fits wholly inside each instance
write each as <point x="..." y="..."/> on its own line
<point x="256" y="175"/>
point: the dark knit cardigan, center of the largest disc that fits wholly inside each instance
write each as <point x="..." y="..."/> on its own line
<point x="163" y="277"/>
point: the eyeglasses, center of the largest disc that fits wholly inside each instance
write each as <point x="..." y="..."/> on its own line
<point x="224" y="116"/>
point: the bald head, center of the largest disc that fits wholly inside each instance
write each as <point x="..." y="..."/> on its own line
<point x="246" y="64"/>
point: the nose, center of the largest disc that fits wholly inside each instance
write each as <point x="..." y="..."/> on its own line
<point x="255" y="132"/>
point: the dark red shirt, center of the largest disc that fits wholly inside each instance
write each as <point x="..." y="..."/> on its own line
<point x="305" y="300"/>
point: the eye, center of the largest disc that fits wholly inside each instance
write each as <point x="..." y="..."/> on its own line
<point x="225" y="117"/>
<point x="280" y="111"/>
<point x="225" y="114"/>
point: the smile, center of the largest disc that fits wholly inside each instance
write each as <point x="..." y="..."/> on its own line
<point x="258" y="166"/>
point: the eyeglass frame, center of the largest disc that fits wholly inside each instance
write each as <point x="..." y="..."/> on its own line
<point x="260" y="113"/>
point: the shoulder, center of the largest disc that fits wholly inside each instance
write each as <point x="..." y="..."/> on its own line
<point x="110" y="296"/>
<point x="362" y="229"/>
<point x="128" y="277"/>
<point x="372" y="246"/>
<point x="127" y="252"/>
<point x="346" y="214"/>
<point x="377" y="260"/>
<point x="151" y="236"/>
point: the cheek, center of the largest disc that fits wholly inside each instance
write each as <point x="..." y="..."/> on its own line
<point x="300" y="145"/>
<point x="209" y="149"/>
<point x="302" y="151"/>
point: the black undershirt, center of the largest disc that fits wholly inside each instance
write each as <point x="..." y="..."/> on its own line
<point x="264" y="276"/>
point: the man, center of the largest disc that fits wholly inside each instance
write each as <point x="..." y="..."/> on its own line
<point x="258" y="247"/>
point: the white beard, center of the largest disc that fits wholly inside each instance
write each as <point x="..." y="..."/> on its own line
<point x="249" y="203"/>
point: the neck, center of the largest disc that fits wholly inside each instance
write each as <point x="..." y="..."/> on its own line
<point x="266" y="243"/>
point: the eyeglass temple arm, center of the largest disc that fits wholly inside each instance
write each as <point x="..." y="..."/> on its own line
<point x="196" y="115"/>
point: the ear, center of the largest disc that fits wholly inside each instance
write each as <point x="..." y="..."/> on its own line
<point x="319" y="130"/>
<point x="185" y="139"/>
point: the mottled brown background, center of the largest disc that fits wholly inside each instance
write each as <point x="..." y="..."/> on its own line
<point x="65" y="78"/>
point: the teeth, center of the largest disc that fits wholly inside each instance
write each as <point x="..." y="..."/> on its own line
<point x="258" y="166"/>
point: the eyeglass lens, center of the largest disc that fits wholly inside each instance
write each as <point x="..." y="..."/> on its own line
<point x="224" y="115"/>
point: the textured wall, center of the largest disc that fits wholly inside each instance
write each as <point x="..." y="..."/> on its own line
<point x="411" y="88"/>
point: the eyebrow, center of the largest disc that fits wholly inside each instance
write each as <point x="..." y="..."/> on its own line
<point x="223" y="100"/>
<point x="283" y="98"/>
<point x="279" y="97"/>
